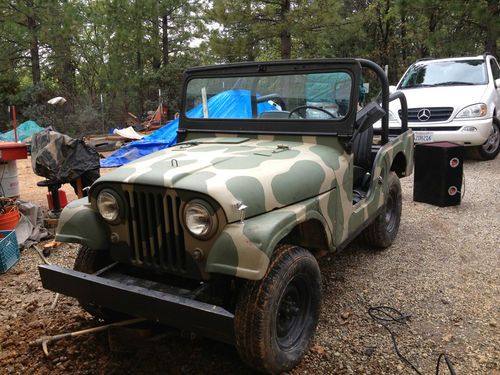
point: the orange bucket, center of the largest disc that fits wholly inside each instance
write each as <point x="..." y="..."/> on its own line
<point x="9" y="218"/>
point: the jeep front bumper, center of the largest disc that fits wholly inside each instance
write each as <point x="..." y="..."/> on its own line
<point x="141" y="298"/>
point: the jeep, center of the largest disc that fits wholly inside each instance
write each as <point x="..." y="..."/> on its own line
<point x="220" y="234"/>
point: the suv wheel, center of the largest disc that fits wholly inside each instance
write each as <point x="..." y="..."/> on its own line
<point x="89" y="261"/>
<point x="489" y="150"/>
<point x="276" y="316"/>
<point x="382" y="232"/>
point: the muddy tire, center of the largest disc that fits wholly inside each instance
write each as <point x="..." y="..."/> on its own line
<point x="276" y="316"/>
<point x="383" y="231"/>
<point x="89" y="261"/>
<point x="489" y="150"/>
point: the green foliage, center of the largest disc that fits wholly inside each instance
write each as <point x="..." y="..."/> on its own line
<point x="127" y="51"/>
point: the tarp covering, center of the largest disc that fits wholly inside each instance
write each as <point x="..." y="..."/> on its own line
<point x="24" y="131"/>
<point x="227" y="104"/>
<point x="128" y="133"/>
<point x="59" y="157"/>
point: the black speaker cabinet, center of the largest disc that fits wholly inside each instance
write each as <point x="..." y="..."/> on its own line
<point x="438" y="173"/>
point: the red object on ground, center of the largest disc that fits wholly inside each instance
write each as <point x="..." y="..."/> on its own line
<point x="63" y="200"/>
<point x="13" y="151"/>
<point x="10" y="218"/>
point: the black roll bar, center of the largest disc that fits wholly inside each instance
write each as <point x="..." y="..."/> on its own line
<point x="386" y="98"/>
<point x="404" y="108"/>
<point x="385" y="95"/>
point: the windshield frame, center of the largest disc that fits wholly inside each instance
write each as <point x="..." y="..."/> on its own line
<point x="343" y="126"/>
<point x="442" y="84"/>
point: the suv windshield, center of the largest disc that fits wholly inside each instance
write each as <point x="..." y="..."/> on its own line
<point x="319" y="96"/>
<point x="445" y="73"/>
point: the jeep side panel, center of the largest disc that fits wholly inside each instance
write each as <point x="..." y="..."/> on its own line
<point x="244" y="248"/>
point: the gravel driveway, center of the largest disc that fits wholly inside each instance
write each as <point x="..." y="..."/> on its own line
<point x="442" y="269"/>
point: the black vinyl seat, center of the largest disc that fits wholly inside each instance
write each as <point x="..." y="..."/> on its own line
<point x="362" y="150"/>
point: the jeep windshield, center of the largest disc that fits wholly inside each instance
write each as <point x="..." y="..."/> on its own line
<point x="445" y="73"/>
<point x="299" y="97"/>
<point x="319" y="96"/>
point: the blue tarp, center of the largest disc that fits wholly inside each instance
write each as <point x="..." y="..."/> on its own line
<point x="24" y="131"/>
<point x="227" y="104"/>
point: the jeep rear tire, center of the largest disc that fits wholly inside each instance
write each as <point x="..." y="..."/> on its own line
<point x="383" y="231"/>
<point x="489" y="150"/>
<point x="276" y="316"/>
<point x="89" y="261"/>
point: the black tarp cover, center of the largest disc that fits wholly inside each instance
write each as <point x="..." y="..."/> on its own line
<point x="59" y="157"/>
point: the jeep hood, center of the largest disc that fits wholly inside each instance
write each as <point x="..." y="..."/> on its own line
<point x="262" y="175"/>
<point x="456" y="97"/>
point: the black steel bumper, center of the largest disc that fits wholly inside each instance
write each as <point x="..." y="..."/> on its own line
<point x="126" y="295"/>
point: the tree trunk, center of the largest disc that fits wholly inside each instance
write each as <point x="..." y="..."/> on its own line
<point x="156" y="38"/>
<point x="140" y="91"/>
<point x="286" y="37"/>
<point x="34" y="51"/>
<point x="490" y="43"/>
<point x="164" y="39"/>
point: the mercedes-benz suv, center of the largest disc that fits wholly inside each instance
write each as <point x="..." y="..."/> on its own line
<point x="453" y="99"/>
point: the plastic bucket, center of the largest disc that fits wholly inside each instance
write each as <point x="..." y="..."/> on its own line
<point x="9" y="182"/>
<point x="9" y="218"/>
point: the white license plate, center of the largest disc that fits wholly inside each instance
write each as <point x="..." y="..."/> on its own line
<point x="422" y="137"/>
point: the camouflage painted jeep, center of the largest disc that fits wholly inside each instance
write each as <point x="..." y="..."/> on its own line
<point x="219" y="235"/>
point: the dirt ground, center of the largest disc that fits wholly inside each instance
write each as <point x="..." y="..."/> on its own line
<point x="443" y="269"/>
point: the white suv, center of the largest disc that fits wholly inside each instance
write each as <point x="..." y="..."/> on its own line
<point x="455" y="100"/>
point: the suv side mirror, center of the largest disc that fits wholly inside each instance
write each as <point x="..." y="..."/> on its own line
<point x="497" y="83"/>
<point x="392" y="89"/>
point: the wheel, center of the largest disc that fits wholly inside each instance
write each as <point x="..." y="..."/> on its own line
<point x="383" y="231"/>
<point x="489" y="150"/>
<point x="89" y="261"/>
<point x="276" y="316"/>
<point x="300" y="109"/>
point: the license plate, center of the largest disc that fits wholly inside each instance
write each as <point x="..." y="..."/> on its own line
<point x="422" y="137"/>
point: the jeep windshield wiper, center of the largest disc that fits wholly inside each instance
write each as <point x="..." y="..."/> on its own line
<point x="452" y="83"/>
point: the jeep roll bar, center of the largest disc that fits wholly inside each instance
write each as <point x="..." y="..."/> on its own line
<point x="386" y="99"/>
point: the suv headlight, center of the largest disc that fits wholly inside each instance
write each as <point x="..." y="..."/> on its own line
<point x="475" y="110"/>
<point x="200" y="219"/>
<point x="393" y="117"/>
<point x="108" y="206"/>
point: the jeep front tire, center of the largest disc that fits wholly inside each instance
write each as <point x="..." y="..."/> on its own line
<point x="276" y="316"/>
<point x="89" y="261"/>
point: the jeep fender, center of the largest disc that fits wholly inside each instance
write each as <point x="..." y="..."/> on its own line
<point x="243" y="249"/>
<point x="79" y="223"/>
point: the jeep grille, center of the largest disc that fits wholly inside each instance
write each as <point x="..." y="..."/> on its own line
<point x="155" y="232"/>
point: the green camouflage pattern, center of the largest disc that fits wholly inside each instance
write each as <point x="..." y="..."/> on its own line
<point x="289" y="184"/>
<point x="79" y="223"/>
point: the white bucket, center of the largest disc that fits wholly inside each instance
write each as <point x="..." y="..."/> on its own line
<point x="9" y="183"/>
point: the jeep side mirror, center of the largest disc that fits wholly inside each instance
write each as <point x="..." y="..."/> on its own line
<point x="368" y="116"/>
<point x="365" y="118"/>
<point x="392" y="89"/>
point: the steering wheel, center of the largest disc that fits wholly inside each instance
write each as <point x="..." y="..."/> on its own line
<point x="300" y="107"/>
<point x="273" y="97"/>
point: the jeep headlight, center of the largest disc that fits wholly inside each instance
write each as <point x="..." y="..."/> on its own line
<point x="200" y="219"/>
<point x="475" y="110"/>
<point x="108" y="206"/>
